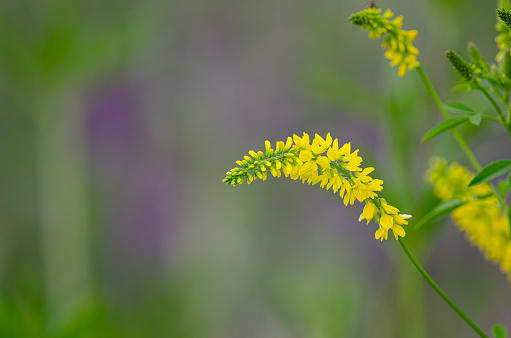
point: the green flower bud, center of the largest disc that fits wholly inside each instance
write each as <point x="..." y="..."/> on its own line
<point x="477" y="58"/>
<point x="505" y="16"/>
<point x="462" y="67"/>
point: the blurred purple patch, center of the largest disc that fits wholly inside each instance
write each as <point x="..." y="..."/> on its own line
<point x="138" y="195"/>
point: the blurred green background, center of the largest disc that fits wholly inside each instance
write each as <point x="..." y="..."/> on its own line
<point x="119" y="119"/>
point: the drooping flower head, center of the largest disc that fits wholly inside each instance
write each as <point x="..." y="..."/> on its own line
<point x="400" y="51"/>
<point x="332" y="166"/>
<point x="485" y="225"/>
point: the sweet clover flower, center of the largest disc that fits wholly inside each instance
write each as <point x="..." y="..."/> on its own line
<point x="400" y="51"/>
<point x="485" y="225"/>
<point x="323" y="161"/>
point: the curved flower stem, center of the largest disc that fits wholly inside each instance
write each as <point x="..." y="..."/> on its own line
<point x="470" y="155"/>
<point x="439" y="291"/>
<point x="496" y="106"/>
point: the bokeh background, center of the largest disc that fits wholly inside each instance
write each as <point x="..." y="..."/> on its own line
<point x="119" y="119"/>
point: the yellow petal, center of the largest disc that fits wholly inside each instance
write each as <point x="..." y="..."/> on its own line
<point x="386" y="221"/>
<point x="324" y="162"/>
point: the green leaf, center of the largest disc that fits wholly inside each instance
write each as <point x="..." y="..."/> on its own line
<point x="440" y="210"/>
<point x="462" y="87"/>
<point x="458" y="107"/>
<point x="508" y="183"/>
<point x="444" y="126"/>
<point x="499" y="331"/>
<point x="491" y="171"/>
<point x="476" y="119"/>
<point x="463" y="109"/>
<point x="504" y="186"/>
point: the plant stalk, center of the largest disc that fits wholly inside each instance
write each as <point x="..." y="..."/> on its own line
<point x="497" y="108"/>
<point x="439" y="291"/>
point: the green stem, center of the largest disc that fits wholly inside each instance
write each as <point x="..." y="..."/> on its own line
<point x="439" y="291"/>
<point x="493" y="118"/>
<point x="496" y="106"/>
<point x="470" y="155"/>
<point x="342" y="170"/>
<point x="432" y="92"/>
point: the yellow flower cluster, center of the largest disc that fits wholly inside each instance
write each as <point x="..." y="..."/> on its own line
<point x="485" y="224"/>
<point x="400" y="51"/>
<point x="323" y="162"/>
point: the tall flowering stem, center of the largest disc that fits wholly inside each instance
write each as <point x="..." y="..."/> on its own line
<point x="440" y="292"/>
<point x="323" y="162"/>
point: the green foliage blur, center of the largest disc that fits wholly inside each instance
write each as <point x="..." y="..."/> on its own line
<point x="118" y="120"/>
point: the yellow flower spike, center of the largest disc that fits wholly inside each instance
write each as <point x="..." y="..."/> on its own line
<point x="398" y="41"/>
<point x="338" y="169"/>
<point x="485" y="225"/>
